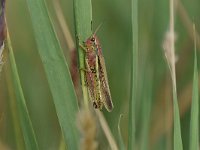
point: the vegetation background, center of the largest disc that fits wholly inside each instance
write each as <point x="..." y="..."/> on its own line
<point x="154" y="119"/>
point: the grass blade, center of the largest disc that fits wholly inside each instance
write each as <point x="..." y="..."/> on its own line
<point x="146" y="109"/>
<point x="134" y="59"/>
<point x="19" y="140"/>
<point x="120" y="139"/>
<point x="107" y="131"/>
<point x="177" y="127"/>
<point x="194" y="122"/>
<point x="26" y="125"/>
<point x="83" y="21"/>
<point x="170" y="56"/>
<point x="57" y="71"/>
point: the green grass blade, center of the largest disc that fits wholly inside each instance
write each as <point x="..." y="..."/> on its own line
<point x="177" y="127"/>
<point x="120" y="139"/>
<point x="171" y="61"/>
<point x="57" y="71"/>
<point x="19" y="140"/>
<point x="146" y="108"/>
<point x="83" y="20"/>
<point x="194" y="122"/>
<point x="134" y="57"/>
<point x="26" y="125"/>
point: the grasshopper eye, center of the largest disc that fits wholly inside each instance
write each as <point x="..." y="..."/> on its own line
<point x="92" y="39"/>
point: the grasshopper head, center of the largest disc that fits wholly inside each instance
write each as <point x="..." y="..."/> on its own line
<point x="92" y="42"/>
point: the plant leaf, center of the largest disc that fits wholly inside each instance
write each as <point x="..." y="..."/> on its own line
<point x="26" y="125"/>
<point x="57" y="71"/>
<point x="134" y="65"/>
<point x="83" y="20"/>
<point x="194" y="122"/>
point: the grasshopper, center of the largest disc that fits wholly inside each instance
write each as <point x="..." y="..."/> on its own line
<point x="96" y="75"/>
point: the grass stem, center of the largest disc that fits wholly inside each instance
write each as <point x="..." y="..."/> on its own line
<point x="83" y="21"/>
<point x="134" y="67"/>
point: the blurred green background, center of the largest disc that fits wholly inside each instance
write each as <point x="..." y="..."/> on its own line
<point x="154" y="103"/>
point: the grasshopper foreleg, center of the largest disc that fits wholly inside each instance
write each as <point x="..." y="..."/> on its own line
<point x="85" y="71"/>
<point x="83" y="47"/>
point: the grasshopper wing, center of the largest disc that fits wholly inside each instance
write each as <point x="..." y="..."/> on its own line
<point x="93" y="84"/>
<point x="105" y="90"/>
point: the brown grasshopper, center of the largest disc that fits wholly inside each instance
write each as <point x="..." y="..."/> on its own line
<point x="96" y="75"/>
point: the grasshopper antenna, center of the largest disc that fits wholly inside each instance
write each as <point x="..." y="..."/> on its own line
<point x="97" y="29"/>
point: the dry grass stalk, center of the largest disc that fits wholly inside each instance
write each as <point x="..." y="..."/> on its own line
<point x="63" y="25"/>
<point x="107" y="131"/>
<point x="169" y="48"/>
<point x="87" y="126"/>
